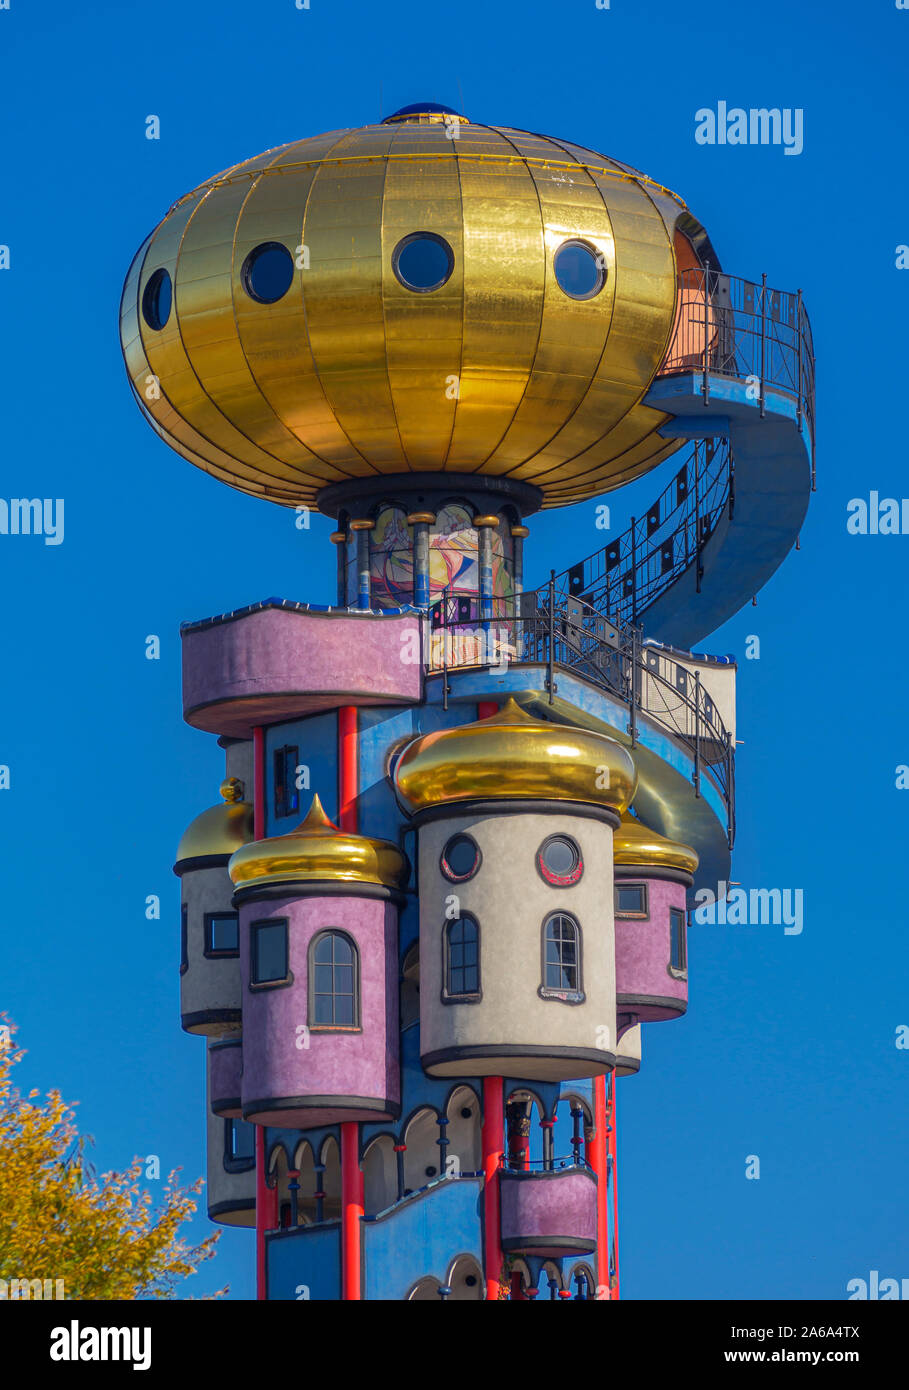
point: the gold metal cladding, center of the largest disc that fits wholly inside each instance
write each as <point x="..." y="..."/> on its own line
<point x="338" y="537"/>
<point x="634" y="844"/>
<point x="352" y="375"/>
<point x="486" y="520"/>
<point x="415" y="517"/>
<point x="512" y="755"/>
<point x="219" y="830"/>
<point x="318" y="850"/>
<point x="520" y="532"/>
<point x="363" y="524"/>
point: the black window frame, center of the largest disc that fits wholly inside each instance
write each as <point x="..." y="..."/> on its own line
<point x="184" y="938"/>
<point x="678" y="972"/>
<point x="208" y="950"/>
<point x="447" y="995"/>
<point x="234" y="1163"/>
<point x="562" y="994"/>
<point x="446" y="869"/>
<point x="314" y="1027"/>
<point x="286" y="797"/>
<point x="409" y="240"/>
<point x="283" y="981"/>
<point x="644" y="914"/>
<point x="560" y="880"/>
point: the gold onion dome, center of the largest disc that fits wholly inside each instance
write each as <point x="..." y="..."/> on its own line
<point x="513" y="756"/>
<point x="317" y="851"/>
<point x="219" y="831"/>
<point x="634" y="844"/>
<point x="273" y="338"/>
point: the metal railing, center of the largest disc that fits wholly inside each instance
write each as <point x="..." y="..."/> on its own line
<point x="545" y="628"/>
<point x="627" y="576"/>
<point x="734" y="327"/>
<point x="518" y="1164"/>
<point x="730" y="327"/>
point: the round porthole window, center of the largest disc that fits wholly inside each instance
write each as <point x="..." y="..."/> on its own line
<point x="157" y="299"/>
<point x="422" y="262"/>
<point x="579" y="270"/>
<point x="268" y="272"/>
<point x="460" y="858"/>
<point x="559" y="861"/>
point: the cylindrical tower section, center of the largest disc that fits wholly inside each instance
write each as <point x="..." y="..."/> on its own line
<point x="230" y="1151"/>
<point x="515" y="817"/>
<point x="225" y="1068"/>
<point x="319" y="959"/>
<point x="652" y="875"/>
<point x="628" y="1053"/>
<point x="209" y="947"/>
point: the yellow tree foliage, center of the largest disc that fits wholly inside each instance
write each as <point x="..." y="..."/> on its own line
<point x="58" y="1220"/>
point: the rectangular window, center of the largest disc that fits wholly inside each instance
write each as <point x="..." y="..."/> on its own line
<point x="678" y="951"/>
<point x="239" y="1142"/>
<point x="287" y="798"/>
<point x="269" y="952"/>
<point x="222" y="934"/>
<point x="184" y="942"/>
<point x="631" y="900"/>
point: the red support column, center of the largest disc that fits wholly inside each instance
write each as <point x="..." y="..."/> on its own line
<point x="258" y="783"/>
<point x="352" y="1208"/>
<point x="493" y="1128"/>
<point x="598" y="1151"/>
<point x="266" y="1210"/>
<point x="614" y="1152"/>
<point x="352" y="1205"/>
<point x="486" y="708"/>
<point x="348" y="776"/>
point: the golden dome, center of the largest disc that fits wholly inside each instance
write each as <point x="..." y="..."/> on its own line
<point x="217" y="832"/>
<point x="512" y="755"/>
<point x="338" y="368"/>
<point x="634" y="844"/>
<point x="318" y="850"/>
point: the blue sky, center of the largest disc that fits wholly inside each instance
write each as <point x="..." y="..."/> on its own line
<point x="788" y="1050"/>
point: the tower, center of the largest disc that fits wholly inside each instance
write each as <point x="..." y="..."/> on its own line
<point x="420" y="987"/>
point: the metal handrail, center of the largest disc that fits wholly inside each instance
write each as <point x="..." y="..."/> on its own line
<point x="626" y="577"/>
<point x="733" y="327"/>
<point x="519" y="1164"/>
<point x="568" y="632"/>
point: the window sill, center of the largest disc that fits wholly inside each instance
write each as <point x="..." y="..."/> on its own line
<point x="562" y="996"/>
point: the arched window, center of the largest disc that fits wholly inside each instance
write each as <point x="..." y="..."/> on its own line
<point x="461" y="965"/>
<point x="334" y="986"/>
<point x="561" y="958"/>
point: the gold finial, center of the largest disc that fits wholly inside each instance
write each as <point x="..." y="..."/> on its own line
<point x="318" y="850"/>
<point x="316" y="817"/>
<point x="232" y="789"/>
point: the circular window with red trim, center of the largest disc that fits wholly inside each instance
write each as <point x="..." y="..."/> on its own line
<point x="460" y="858"/>
<point x="559" y="861"/>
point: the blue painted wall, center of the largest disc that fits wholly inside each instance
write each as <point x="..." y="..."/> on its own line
<point x="310" y="1256"/>
<point x="317" y="739"/>
<point x="423" y="1237"/>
